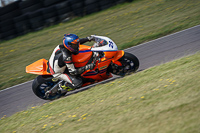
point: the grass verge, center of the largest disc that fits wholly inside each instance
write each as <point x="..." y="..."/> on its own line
<point x="161" y="99"/>
<point x="127" y="24"/>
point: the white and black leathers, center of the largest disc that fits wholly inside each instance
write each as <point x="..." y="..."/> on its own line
<point x="61" y="59"/>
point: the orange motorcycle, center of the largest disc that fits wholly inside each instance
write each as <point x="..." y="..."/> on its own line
<point x="109" y="61"/>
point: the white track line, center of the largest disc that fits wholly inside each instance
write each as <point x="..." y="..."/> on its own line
<point x="164" y="37"/>
<point x="15" y="86"/>
<point x="125" y="49"/>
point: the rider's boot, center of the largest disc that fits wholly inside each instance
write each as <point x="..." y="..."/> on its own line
<point x="65" y="87"/>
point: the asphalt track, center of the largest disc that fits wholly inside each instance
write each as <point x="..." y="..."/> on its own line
<point x="164" y="49"/>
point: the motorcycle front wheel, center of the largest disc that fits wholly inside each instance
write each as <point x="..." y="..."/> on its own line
<point x="130" y="64"/>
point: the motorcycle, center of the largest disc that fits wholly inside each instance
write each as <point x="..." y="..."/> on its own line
<point x="109" y="60"/>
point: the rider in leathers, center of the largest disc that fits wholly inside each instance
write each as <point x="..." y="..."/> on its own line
<point x="61" y="59"/>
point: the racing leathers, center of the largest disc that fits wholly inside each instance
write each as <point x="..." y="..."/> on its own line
<point x="61" y="59"/>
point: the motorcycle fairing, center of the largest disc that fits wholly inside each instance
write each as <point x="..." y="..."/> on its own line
<point x="110" y="46"/>
<point x="118" y="55"/>
<point x="83" y="57"/>
<point x="85" y="54"/>
<point x="110" y="49"/>
<point x="99" y="73"/>
<point x="39" y="67"/>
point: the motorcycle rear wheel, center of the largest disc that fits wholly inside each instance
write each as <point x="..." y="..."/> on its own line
<point x="42" y="84"/>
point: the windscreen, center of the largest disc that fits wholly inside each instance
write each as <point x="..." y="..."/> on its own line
<point x="99" y="42"/>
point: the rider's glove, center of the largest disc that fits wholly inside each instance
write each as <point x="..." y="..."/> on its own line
<point x="91" y="38"/>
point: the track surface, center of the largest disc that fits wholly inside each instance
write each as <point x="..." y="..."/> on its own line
<point x="165" y="49"/>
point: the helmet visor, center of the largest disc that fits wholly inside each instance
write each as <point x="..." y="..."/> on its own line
<point x="74" y="46"/>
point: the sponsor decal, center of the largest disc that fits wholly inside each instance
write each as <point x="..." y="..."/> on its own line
<point x="103" y="67"/>
<point x="111" y="44"/>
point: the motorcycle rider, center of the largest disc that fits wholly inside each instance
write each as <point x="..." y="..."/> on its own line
<point x="61" y="59"/>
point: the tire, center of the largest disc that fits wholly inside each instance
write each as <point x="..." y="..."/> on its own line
<point x="49" y="15"/>
<point x="77" y="8"/>
<point x="129" y="0"/>
<point x="37" y="23"/>
<point x="88" y="2"/>
<point x="9" y="34"/>
<point x="78" y="12"/>
<point x="6" y="22"/>
<point x="63" y="5"/>
<point x="22" y="27"/>
<point x="63" y="11"/>
<point x="130" y="57"/>
<point x="41" y="84"/>
<point x="75" y="1"/>
<point x="10" y="15"/>
<point x="50" y="21"/>
<point x="64" y="17"/>
<point x="105" y="7"/>
<point x="37" y="13"/>
<point x="32" y="8"/>
<point x="48" y="9"/>
<point x="28" y="3"/>
<point x="130" y="64"/>
<point x="49" y="12"/>
<point x="21" y="18"/>
<point x="104" y="4"/>
<point x="47" y="3"/>
<point x="91" y="8"/>
<point x="63" y="8"/>
<point x="7" y="27"/>
<point x="120" y="1"/>
<point x="1" y="37"/>
<point x="9" y="8"/>
<point x="38" y="19"/>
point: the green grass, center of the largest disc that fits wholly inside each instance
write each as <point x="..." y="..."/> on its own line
<point x="161" y="99"/>
<point x="128" y="25"/>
